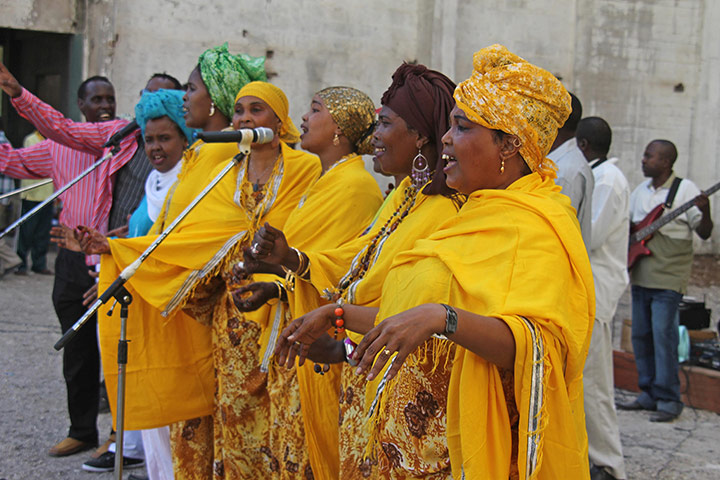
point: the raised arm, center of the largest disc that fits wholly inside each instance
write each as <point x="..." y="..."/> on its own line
<point x="31" y="162"/>
<point x="84" y="136"/>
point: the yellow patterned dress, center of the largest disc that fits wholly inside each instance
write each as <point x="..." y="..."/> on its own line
<point x="254" y="436"/>
<point x="193" y="265"/>
<point x="391" y="234"/>
<point x="334" y="210"/>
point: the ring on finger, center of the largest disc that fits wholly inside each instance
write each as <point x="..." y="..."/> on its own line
<point x="254" y="249"/>
<point x="387" y="352"/>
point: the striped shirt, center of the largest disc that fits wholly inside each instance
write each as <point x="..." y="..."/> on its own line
<point x="88" y="139"/>
<point x="71" y="148"/>
<point x="48" y="159"/>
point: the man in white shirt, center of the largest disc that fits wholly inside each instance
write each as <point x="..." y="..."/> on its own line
<point x="660" y="280"/>
<point x="608" y="257"/>
<point x="574" y="174"/>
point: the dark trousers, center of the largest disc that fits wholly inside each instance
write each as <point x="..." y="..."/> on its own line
<point x="34" y="236"/>
<point x="81" y="356"/>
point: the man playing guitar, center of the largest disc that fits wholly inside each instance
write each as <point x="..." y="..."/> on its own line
<point x="660" y="280"/>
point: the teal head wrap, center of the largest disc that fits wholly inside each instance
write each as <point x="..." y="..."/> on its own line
<point x="163" y="103"/>
<point x="225" y="74"/>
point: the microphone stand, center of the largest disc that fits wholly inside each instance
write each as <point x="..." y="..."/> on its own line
<point x="52" y="197"/>
<point x="118" y="291"/>
<point x="123" y="298"/>
<point x="25" y="189"/>
<point x="130" y="270"/>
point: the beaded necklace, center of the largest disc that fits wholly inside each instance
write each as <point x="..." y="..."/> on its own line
<point x="360" y="268"/>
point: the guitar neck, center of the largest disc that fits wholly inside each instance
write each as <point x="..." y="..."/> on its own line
<point x="669" y="217"/>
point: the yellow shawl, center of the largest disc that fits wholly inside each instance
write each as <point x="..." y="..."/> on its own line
<point x="170" y="370"/>
<point x="517" y="255"/>
<point x="328" y="267"/>
<point x="198" y="162"/>
<point x="334" y="210"/>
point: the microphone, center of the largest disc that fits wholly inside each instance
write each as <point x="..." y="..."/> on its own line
<point x="116" y="137"/>
<point x="244" y="135"/>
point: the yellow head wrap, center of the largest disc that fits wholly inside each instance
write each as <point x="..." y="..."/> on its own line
<point x="277" y="100"/>
<point x="507" y="93"/>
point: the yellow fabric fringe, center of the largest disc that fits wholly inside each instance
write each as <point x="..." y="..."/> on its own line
<point x="334" y="210"/>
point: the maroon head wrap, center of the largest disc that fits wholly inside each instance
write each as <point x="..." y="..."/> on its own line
<point x="424" y="99"/>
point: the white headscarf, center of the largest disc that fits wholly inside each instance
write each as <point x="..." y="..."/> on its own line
<point x="156" y="188"/>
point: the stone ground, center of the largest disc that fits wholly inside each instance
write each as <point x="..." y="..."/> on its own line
<point x="33" y="415"/>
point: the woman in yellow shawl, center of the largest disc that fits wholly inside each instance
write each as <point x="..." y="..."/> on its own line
<point x="208" y="105"/>
<point x="334" y="210"/>
<point x="513" y="283"/>
<point x="413" y="118"/>
<point x="156" y="366"/>
<point x="190" y="266"/>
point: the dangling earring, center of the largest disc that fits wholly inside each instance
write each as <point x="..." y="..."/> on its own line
<point x="420" y="172"/>
<point x="336" y="140"/>
<point x="502" y="167"/>
<point x="212" y="108"/>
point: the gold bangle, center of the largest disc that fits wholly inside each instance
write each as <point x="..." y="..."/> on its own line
<point x="301" y="260"/>
<point x="303" y="264"/>
<point x="289" y="279"/>
<point x="280" y="288"/>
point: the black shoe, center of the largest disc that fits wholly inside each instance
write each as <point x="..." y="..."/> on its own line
<point x="137" y="477"/>
<point x="106" y="463"/>
<point x="599" y="473"/>
<point x="662" y="416"/>
<point x="632" y="405"/>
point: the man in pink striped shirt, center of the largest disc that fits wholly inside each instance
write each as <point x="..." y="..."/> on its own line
<point x="71" y="148"/>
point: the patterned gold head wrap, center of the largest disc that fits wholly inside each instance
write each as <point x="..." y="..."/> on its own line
<point x="277" y="100"/>
<point x="224" y="74"/>
<point x="507" y="93"/>
<point x="354" y="114"/>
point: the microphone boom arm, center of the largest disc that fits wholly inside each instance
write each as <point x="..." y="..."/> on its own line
<point x="57" y="193"/>
<point x="25" y="189"/>
<point x="130" y="270"/>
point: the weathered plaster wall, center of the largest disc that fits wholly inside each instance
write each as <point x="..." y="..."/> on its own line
<point x="624" y="59"/>
<point x="59" y="16"/>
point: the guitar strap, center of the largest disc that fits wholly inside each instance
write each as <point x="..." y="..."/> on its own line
<point x="673" y="191"/>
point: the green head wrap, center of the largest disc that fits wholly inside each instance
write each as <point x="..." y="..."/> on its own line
<point x="225" y="74"/>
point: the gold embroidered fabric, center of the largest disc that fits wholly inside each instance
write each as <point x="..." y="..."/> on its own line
<point x="191" y="444"/>
<point x="505" y="92"/>
<point x="353" y="112"/>
<point x="411" y="430"/>
<point x="353" y="431"/>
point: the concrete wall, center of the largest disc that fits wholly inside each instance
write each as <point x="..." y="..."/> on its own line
<point x="58" y="16"/>
<point x="650" y="67"/>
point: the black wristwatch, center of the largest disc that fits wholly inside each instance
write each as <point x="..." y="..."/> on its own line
<point x="451" y="320"/>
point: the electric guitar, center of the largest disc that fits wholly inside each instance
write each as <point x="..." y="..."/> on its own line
<point x="641" y="232"/>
